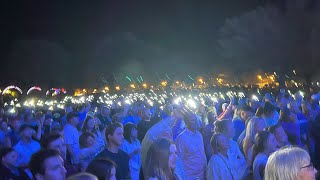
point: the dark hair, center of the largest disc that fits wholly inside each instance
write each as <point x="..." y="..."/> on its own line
<point x="157" y="160"/>
<point x="84" y="127"/>
<point x="268" y="108"/>
<point x="284" y="115"/>
<point x="5" y="151"/>
<point x="83" y="139"/>
<point x="259" y="112"/>
<point x="214" y="143"/>
<point x="127" y="130"/>
<point x="273" y="128"/>
<point x="210" y="118"/>
<point x="46" y="140"/>
<point x="37" y="160"/>
<point x="261" y="143"/>
<point x="246" y="108"/>
<point x="115" y="118"/>
<point x="101" y="168"/>
<point x="221" y="126"/>
<point x="111" y="128"/>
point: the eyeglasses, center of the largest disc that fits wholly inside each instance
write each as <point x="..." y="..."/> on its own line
<point x="310" y="166"/>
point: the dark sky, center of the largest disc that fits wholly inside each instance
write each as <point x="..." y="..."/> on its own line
<point x="75" y="42"/>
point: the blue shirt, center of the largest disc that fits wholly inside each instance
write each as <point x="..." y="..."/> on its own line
<point x="25" y="151"/>
<point x="239" y="127"/>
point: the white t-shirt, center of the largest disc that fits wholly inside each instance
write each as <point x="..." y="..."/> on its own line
<point x="71" y="137"/>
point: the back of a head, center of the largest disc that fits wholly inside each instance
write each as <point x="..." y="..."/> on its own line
<point x="46" y="140"/>
<point x="157" y="157"/>
<point x="83" y="176"/>
<point x="268" y="109"/>
<point x="261" y="143"/>
<point x="221" y="126"/>
<point x="286" y="163"/>
<point x="101" y="168"/>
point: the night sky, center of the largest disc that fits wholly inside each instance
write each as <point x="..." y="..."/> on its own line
<point x="72" y="43"/>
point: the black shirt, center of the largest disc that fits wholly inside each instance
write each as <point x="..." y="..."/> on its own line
<point x="122" y="161"/>
<point x="143" y="127"/>
<point x="6" y="174"/>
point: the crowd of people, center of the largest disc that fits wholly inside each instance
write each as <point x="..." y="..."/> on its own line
<point x="275" y="137"/>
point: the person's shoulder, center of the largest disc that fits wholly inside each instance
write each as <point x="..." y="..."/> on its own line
<point x="102" y="154"/>
<point x="122" y="153"/>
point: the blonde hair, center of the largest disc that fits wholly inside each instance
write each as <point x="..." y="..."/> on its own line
<point x="250" y="129"/>
<point x="286" y="163"/>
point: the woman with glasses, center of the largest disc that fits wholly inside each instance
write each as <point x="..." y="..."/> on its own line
<point x="291" y="163"/>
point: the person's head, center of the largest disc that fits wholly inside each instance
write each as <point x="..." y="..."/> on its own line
<point x="224" y="127"/>
<point x="281" y="101"/>
<point x="47" y="165"/>
<point x="294" y="107"/>
<point x="116" y="118"/>
<point x="83" y="176"/>
<point x="176" y="116"/>
<point x="279" y="133"/>
<point x="168" y="108"/>
<point x="161" y="156"/>
<point x="86" y="140"/>
<point x="219" y="143"/>
<point x="26" y="132"/>
<point x="16" y="124"/>
<point x="268" y="109"/>
<point x="103" y="169"/>
<point x="4" y="125"/>
<point x="28" y="117"/>
<point x="8" y="157"/>
<point x="259" y="112"/>
<point x="73" y="118"/>
<point x="145" y="114"/>
<point x="114" y="134"/>
<point x="105" y="111"/>
<point x="246" y="112"/>
<point x="287" y="116"/>
<point x="191" y="121"/>
<point x="88" y="124"/>
<point x="264" y="143"/>
<point x="48" y="119"/>
<point x="292" y="163"/>
<point x="130" y="132"/>
<point x="55" y="142"/>
<point x="211" y="116"/>
<point x="39" y="116"/>
<point x="254" y="126"/>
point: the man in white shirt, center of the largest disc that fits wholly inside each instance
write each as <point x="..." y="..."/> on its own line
<point x="190" y="149"/>
<point x="71" y="136"/>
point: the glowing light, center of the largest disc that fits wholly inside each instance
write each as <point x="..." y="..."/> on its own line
<point x="164" y="83"/>
<point x="259" y="77"/>
<point x="33" y="88"/>
<point x="144" y="85"/>
<point x="177" y="101"/>
<point x="132" y="86"/>
<point x="118" y="88"/>
<point x="191" y="103"/>
<point x="255" y="98"/>
<point x="200" y="80"/>
<point x="11" y="87"/>
<point x="301" y="94"/>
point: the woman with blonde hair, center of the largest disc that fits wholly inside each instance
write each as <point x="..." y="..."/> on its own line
<point x="254" y="126"/>
<point x="290" y="163"/>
